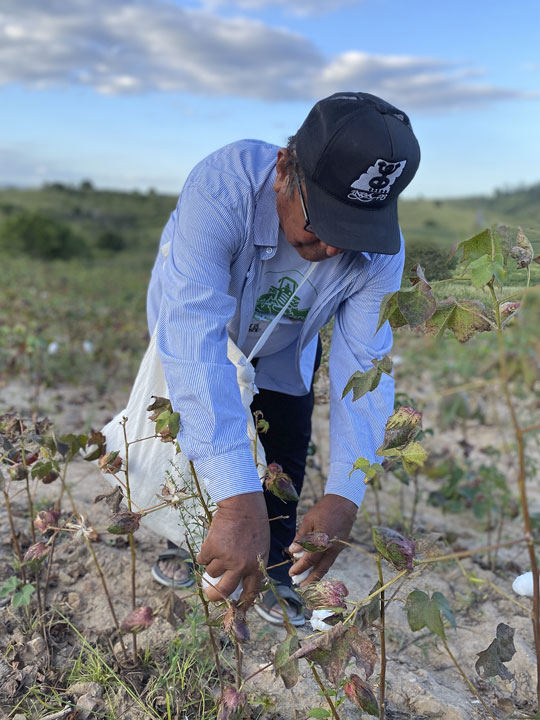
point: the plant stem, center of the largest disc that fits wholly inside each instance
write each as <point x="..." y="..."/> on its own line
<point x="382" y="682"/>
<point x="521" y="481"/>
<point x="324" y="692"/>
<point x="107" y="595"/>
<point x="381" y="589"/>
<point x="288" y="627"/>
<point x="469" y="683"/>
<point x="131" y="538"/>
<point x="415" y="504"/>
<point x="467" y="553"/>
<point x="238" y="659"/>
<point x="201" y="496"/>
<point x="204" y="603"/>
<point x="31" y="508"/>
<point x="260" y="670"/>
<point x="14" y="539"/>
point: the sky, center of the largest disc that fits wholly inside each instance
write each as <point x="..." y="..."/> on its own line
<point x="131" y="94"/>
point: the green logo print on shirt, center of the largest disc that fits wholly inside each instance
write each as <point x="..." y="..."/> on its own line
<point x="277" y="296"/>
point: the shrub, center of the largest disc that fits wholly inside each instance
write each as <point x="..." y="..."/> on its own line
<point x="40" y="236"/>
<point x="432" y="256"/>
<point x="111" y="241"/>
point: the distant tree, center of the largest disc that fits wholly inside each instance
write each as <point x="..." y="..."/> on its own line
<point x="431" y="257"/>
<point x="86" y="186"/>
<point x="112" y="241"/>
<point x="39" y="236"/>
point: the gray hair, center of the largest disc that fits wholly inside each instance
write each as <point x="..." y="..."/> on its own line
<point x="292" y="166"/>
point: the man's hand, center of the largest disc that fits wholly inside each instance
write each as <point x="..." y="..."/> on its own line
<point x="238" y="534"/>
<point x="333" y="515"/>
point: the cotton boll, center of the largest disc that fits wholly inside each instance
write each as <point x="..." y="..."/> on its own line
<point x="88" y="346"/>
<point x="53" y="348"/>
<point x="523" y="584"/>
<point x="209" y="581"/>
<point x="317" y="617"/>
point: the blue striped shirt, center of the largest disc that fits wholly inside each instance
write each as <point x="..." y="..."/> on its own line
<point x="223" y="229"/>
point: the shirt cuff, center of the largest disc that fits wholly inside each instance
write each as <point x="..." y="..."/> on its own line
<point x="339" y="483"/>
<point x="224" y="476"/>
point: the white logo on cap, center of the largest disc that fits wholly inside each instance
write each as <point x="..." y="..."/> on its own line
<point x="375" y="183"/>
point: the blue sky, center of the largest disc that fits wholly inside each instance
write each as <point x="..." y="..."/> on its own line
<point x="132" y="94"/>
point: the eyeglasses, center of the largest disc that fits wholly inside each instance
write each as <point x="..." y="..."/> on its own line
<point x="307" y="226"/>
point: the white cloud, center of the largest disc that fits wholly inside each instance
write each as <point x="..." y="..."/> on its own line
<point x="131" y="46"/>
<point x="302" y="8"/>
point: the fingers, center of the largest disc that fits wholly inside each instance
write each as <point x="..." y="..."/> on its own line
<point x="224" y="587"/>
<point x="306" y="562"/>
<point x="252" y="585"/>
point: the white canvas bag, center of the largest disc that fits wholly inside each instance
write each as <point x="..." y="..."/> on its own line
<point x="151" y="460"/>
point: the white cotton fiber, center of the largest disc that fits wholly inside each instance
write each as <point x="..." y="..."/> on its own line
<point x="523" y="584"/>
<point x="317" y="618"/>
<point x="209" y="581"/>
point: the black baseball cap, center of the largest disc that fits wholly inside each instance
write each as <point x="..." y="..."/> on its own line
<point x="357" y="153"/>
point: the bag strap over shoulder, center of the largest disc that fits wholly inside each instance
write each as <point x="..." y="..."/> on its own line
<point x="165" y="249"/>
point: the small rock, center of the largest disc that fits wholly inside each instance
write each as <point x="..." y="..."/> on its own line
<point x="74" y="600"/>
<point x="65" y="578"/>
<point x="18" y="716"/>
<point x="86" y="705"/>
<point x="37" y="646"/>
<point x="93" y="689"/>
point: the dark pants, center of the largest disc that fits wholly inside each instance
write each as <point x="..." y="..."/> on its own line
<point x="286" y="443"/>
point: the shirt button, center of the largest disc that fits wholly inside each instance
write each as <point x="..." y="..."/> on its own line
<point x="269" y="251"/>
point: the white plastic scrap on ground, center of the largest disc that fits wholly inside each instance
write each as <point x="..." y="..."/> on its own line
<point x="523" y="584"/>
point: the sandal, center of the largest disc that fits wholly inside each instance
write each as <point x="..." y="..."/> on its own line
<point x="270" y="610"/>
<point x="170" y="582"/>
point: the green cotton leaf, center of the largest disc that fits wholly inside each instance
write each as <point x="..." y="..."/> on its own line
<point x="413" y="457"/>
<point x="400" y="429"/>
<point x="369" y="469"/>
<point x="444" y="606"/>
<point x="70" y="444"/>
<point x="162" y="420"/>
<point x="484" y="243"/>
<point x="23" y="596"/>
<point x="385" y="364"/>
<point x="41" y="469"/>
<point x="11" y="584"/>
<point x="438" y="322"/>
<point x="501" y="650"/>
<point x="389" y="311"/>
<point x="522" y="251"/>
<point x="363" y="382"/>
<point x="423" y="612"/>
<point x="360" y="464"/>
<point x="174" y="424"/>
<point x="416" y="304"/>
<point x="319" y="713"/>
<point x="284" y="668"/>
<point x="463" y="318"/>
<point x="484" y="269"/>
